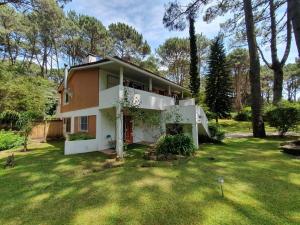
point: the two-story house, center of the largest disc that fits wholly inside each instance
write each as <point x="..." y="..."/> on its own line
<point x="90" y="101"/>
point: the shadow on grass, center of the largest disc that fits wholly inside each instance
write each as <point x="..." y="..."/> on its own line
<point x="46" y="187"/>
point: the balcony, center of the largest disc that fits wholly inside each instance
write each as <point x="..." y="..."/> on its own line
<point x="145" y="100"/>
<point x="188" y="114"/>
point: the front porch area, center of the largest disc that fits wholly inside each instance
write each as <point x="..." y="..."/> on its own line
<point x="118" y="127"/>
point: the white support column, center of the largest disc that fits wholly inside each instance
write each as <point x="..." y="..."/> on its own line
<point x="162" y="124"/>
<point x="150" y="84"/>
<point x="121" y="76"/>
<point x="119" y="118"/>
<point x="99" y="132"/>
<point x="169" y="90"/>
<point x="119" y="131"/>
<point x="195" y="134"/>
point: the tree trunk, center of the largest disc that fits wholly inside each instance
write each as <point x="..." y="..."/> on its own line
<point x="25" y="148"/>
<point x="276" y="67"/>
<point x="238" y="97"/>
<point x="9" y="49"/>
<point x="268" y="96"/>
<point x="278" y="83"/>
<point x="257" y="121"/>
<point x="294" y="10"/>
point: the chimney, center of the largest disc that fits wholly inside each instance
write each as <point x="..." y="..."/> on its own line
<point x="66" y="77"/>
<point x="90" y="58"/>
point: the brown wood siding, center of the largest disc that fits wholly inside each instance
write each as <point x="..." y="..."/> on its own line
<point x="84" y="85"/>
<point x="76" y="124"/>
<point x="92" y="126"/>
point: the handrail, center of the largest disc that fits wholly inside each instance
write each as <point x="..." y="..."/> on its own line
<point x="147" y="92"/>
<point x="204" y="120"/>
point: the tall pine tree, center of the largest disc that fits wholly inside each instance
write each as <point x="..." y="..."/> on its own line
<point x="218" y="86"/>
<point x="194" y="73"/>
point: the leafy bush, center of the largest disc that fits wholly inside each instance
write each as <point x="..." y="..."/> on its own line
<point x="244" y="115"/>
<point x="80" y="136"/>
<point x="9" y="139"/>
<point x="216" y="133"/>
<point x="178" y="144"/>
<point x="210" y="115"/>
<point x="9" y="117"/>
<point x="283" y="117"/>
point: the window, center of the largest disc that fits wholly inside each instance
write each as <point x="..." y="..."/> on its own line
<point x="83" y="123"/>
<point x="67" y="123"/>
<point x="66" y="98"/>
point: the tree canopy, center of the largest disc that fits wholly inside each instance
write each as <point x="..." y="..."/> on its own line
<point x="218" y="86"/>
<point x="127" y="42"/>
<point x="16" y="91"/>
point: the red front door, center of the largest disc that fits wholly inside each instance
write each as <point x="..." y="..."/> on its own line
<point x="127" y="129"/>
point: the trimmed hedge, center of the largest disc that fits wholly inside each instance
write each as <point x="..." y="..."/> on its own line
<point x="178" y="144"/>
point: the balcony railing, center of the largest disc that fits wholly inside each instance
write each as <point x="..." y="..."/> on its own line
<point x="109" y="97"/>
<point x="146" y="100"/>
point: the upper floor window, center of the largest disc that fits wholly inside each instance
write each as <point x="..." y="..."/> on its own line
<point x="83" y="123"/>
<point x="66" y="98"/>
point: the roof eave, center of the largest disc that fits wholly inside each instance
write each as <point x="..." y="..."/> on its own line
<point x="148" y="73"/>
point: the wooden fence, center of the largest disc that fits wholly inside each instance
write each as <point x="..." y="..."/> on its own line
<point x="45" y="130"/>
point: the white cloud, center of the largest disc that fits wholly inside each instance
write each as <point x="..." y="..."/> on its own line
<point x="145" y="15"/>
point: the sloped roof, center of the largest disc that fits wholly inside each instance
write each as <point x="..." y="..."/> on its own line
<point x="116" y="59"/>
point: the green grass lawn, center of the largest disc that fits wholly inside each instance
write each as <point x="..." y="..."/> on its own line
<point x="262" y="186"/>
<point x="232" y="126"/>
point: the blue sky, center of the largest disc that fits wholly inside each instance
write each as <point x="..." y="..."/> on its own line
<point x="146" y="17"/>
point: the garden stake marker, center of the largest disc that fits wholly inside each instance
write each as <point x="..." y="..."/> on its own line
<point x="221" y="181"/>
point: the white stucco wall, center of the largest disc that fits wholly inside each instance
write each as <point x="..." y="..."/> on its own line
<point x="149" y="100"/>
<point x="81" y="146"/>
<point x="107" y="127"/>
<point x="187" y="114"/>
<point x="138" y="132"/>
<point x="151" y="134"/>
<point x="109" y="97"/>
<point x="187" y="102"/>
<point x="102" y="80"/>
<point x="145" y="100"/>
<point x="142" y="132"/>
